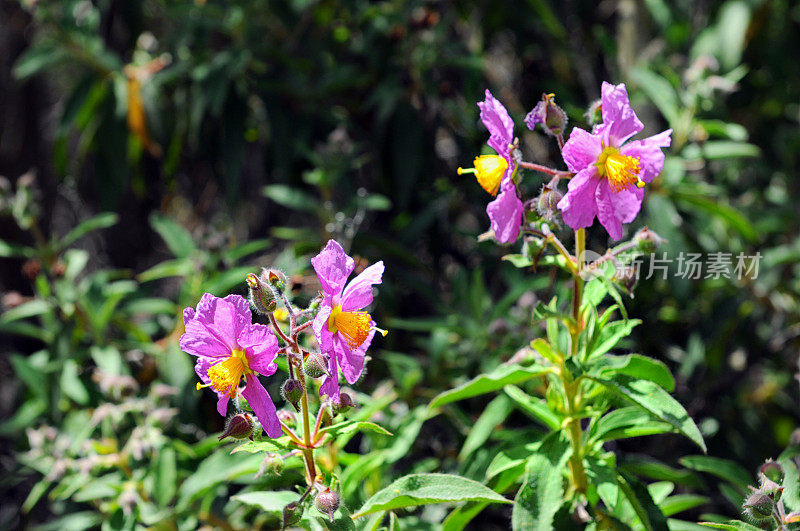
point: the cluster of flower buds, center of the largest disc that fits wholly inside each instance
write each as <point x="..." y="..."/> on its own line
<point x="764" y="503"/>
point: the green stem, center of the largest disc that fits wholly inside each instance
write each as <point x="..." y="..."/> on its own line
<point x="572" y="387"/>
<point x="308" y="451"/>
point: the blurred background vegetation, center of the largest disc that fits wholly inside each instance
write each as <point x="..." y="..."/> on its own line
<point x="153" y="150"/>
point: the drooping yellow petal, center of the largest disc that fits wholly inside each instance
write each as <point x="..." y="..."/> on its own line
<point x="353" y="326"/>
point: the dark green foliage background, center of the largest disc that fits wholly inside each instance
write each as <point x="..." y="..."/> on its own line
<point x="328" y="97"/>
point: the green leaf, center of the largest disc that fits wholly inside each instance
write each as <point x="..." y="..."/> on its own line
<point x="733" y="525"/>
<point x="657" y="401"/>
<point x="722" y="468"/>
<point x="518" y="260"/>
<point x="350" y="426"/>
<point x="541" y="494"/>
<point x="533" y="407"/>
<point x="495" y="414"/>
<point x="179" y="267"/>
<point x="165" y="479"/>
<point x="425" y="489"/>
<point x="291" y="197"/>
<point x="25" y="310"/>
<point x="12" y="250"/>
<point x="178" y="240"/>
<point x="281" y="444"/>
<point x="647" y="511"/>
<point x="268" y="501"/>
<point x="71" y="384"/>
<point x="732" y="217"/>
<point x="37" y="58"/>
<point x="609" y="335"/>
<point x="660" y="92"/>
<point x="628" y="422"/>
<point x="682" y="502"/>
<point x="791" y="483"/>
<point x="246" y="249"/>
<point x="639" y="367"/>
<point x="100" y="221"/>
<point x="486" y="383"/>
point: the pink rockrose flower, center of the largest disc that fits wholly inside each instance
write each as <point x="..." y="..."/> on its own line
<point x="495" y="172"/>
<point x="343" y="329"/>
<point x="228" y="346"/>
<point x="610" y="173"/>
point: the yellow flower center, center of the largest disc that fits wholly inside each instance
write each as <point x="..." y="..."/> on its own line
<point x="354" y="326"/>
<point x="620" y="170"/>
<point x="489" y="170"/>
<point x="226" y="375"/>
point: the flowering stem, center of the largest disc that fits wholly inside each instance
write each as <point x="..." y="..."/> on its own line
<point x="290" y="432"/>
<point x="572" y="387"/>
<point x="544" y="169"/>
<point x="277" y="329"/>
<point x="308" y="452"/>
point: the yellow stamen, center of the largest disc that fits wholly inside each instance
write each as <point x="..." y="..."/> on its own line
<point x="226" y="375"/>
<point x="354" y="326"/>
<point x="620" y="170"/>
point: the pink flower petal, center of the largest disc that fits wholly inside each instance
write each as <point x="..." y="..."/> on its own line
<point x="614" y="209"/>
<point x="201" y="368"/>
<point x="358" y="293"/>
<point x="262" y="405"/>
<point x="333" y="267"/>
<point x="209" y="331"/>
<point x="505" y="215"/>
<point x="649" y="153"/>
<point x="578" y="206"/>
<point x="352" y="360"/>
<point x="320" y="326"/>
<point x="261" y="348"/>
<point x="581" y="150"/>
<point x="330" y="384"/>
<point x="496" y="119"/>
<point x="619" y="121"/>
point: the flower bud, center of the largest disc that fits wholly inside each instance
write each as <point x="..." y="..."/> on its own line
<point x="773" y="471"/>
<point x="770" y="488"/>
<point x="238" y="427"/>
<point x="759" y="506"/>
<point x="276" y="278"/>
<point x="547" y="203"/>
<point x="292" y="391"/>
<point x="648" y="241"/>
<point x="315" y="365"/>
<point x="271" y="464"/>
<point x="594" y="115"/>
<point x="292" y="514"/>
<point x="262" y="298"/>
<point x="550" y="115"/>
<point x="327" y="502"/>
<point x="343" y="405"/>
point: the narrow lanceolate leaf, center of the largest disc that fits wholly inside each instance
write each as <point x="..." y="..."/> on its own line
<point x="722" y="468"/>
<point x="424" y="489"/>
<point x="280" y="444"/>
<point x="637" y="366"/>
<point x="657" y="401"/>
<point x="350" y="426"/>
<point x="648" y="512"/>
<point x="267" y="501"/>
<point x="541" y="494"/>
<point x="733" y="525"/>
<point x="492" y="381"/>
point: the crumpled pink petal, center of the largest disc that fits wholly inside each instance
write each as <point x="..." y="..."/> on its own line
<point x="649" y="153"/>
<point x="581" y="150"/>
<point x="501" y="129"/>
<point x="358" y="293"/>
<point x="505" y="214"/>
<point x="578" y="206"/>
<point x="352" y="360"/>
<point x="614" y="209"/>
<point x="262" y="405"/>
<point x="333" y="266"/>
<point x="210" y="330"/>
<point x="619" y="121"/>
<point x="261" y="348"/>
